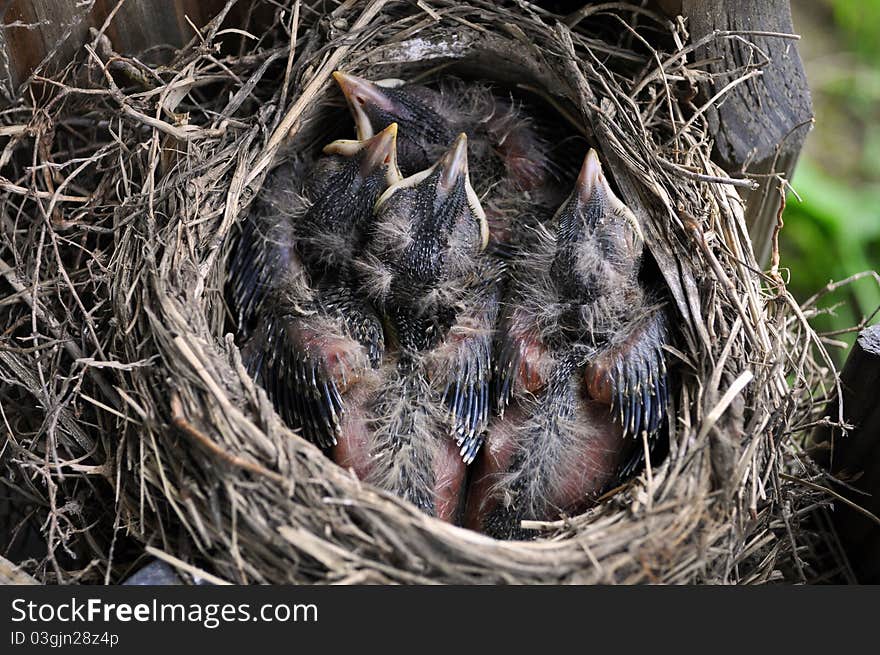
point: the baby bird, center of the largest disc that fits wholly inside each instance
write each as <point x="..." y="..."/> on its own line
<point x="425" y="268"/>
<point x="580" y="364"/>
<point x="309" y="336"/>
<point x="429" y="120"/>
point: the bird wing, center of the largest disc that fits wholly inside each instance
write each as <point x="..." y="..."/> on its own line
<point x="635" y="366"/>
<point x="360" y="318"/>
<point x="640" y="376"/>
<point x="262" y="255"/>
<point x="462" y="364"/>
<point x="307" y="339"/>
<point x="304" y="344"/>
<point x="306" y="362"/>
<point x="273" y="305"/>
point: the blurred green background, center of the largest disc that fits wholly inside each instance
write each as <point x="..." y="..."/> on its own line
<point x="834" y="231"/>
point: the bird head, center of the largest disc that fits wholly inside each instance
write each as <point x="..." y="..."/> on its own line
<point x="344" y="188"/>
<point x="598" y="238"/>
<point x="428" y="231"/>
<point x="374" y="155"/>
<point x="374" y="105"/>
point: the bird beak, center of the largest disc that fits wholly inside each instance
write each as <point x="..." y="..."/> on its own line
<point x="590" y="177"/>
<point x="591" y="181"/>
<point x="379" y="151"/>
<point x="453" y="167"/>
<point x="361" y="94"/>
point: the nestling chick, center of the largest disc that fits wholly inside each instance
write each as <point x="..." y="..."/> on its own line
<point x="429" y="120"/>
<point x="579" y="338"/>
<point x="310" y="337"/>
<point x="426" y="271"/>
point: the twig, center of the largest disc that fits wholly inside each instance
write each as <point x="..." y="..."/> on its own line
<point x="818" y="487"/>
<point x="181" y="423"/>
<point x="185" y="567"/>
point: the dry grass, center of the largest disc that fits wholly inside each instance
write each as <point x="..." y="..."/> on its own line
<point x="130" y="417"/>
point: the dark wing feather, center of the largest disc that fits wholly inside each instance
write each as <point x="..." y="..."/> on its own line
<point x="261" y="256"/>
<point x="640" y="382"/>
<point x="295" y="378"/>
<point x="263" y="253"/>
<point x="274" y="304"/>
<point x="293" y="367"/>
<point x="467" y="396"/>
<point x="360" y="318"/>
<point x="467" y="391"/>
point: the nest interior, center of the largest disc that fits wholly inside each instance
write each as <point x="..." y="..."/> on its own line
<point x="133" y="423"/>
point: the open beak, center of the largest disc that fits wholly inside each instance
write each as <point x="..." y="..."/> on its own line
<point x="378" y="151"/>
<point x="381" y="151"/>
<point x="362" y="95"/>
<point x="453" y="165"/>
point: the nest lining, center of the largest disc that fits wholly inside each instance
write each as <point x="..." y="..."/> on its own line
<point x="118" y="258"/>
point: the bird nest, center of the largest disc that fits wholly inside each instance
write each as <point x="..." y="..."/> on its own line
<point x="134" y="423"/>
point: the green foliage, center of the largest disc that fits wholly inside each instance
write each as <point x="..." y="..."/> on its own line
<point x="859" y="22"/>
<point x="834" y="232"/>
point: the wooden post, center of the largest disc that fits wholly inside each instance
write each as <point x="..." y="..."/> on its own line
<point x="761" y="125"/>
<point x="855" y="458"/>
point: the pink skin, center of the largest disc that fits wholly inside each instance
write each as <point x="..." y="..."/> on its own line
<point x="345" y="362"/>
<point x="597" y="377"/>
<point x="494" y="460"/>
<point x="585" y="473"/>
<point x="344" y="359"/>
<point x="352" y="452"/>
<point x="449" y="472"/>
<point x="352" y="449"/>
<point x="449" y="469"/>
<point x="499" y="226"/>
<point x="530" y="366"/>
<point x="442" y="361"/>
<point x="599" y="374"/>
<point x="578" y="478"/>
<point x="521" y="152"/>
<point x="533" y="356"/>
<point x="519" y="147"/>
